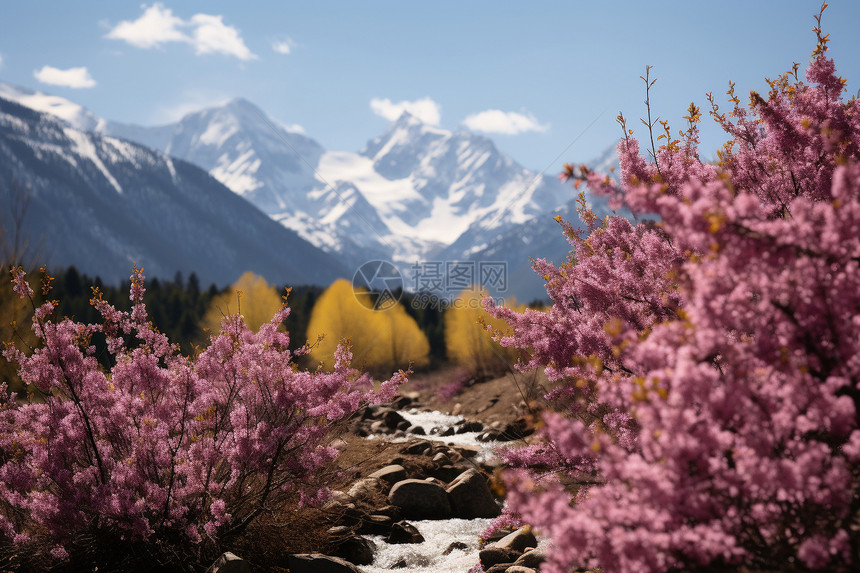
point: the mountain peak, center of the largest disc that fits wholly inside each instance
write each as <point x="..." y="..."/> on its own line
<point x="414" y="124"/>
<point x="73" y="114"/>
<point x="407" y="118"/>
<point x="241" y="104"/>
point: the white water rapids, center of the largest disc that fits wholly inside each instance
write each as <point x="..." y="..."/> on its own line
<point x="428" y="557"/>
<point x="439" y="534"/>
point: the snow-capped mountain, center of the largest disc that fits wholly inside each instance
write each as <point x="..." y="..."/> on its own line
<point x="454" y="179"/>
<point x="446" y="182"/>
<point x="409" y="194"/>
<point x="275" y="169"/>
<point x="538" y="237"/>
<point x="100" y="203"/>
<point x="416" y="193"/>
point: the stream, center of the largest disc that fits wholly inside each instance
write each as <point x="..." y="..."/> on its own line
<point x="428" y="557"/>
<point x="439" y="534"/>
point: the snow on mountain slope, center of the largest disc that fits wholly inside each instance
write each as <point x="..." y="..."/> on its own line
<point x="74" y="114"/>
<point x="416" y="193"/>
<point x="451" y="180"/>
<point x="101" y="203"/>
<point x="274" y="168"/>
<point x="249" y="153"/>
<point x="410" y="193"/>
<point x="537" y="237"/>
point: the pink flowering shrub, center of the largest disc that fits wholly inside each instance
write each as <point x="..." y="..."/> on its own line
<point x="163" y="446"/>
<point x="707" y="410"/>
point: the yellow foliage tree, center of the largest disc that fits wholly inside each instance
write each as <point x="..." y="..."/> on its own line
<point x="251" y="296"/>
<point x="467" y="341"/>
<point x="381" y="340"/>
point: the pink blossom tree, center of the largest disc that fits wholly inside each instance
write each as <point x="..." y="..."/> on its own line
<point x="707" y="362"/>
<point x="163" y="447"/>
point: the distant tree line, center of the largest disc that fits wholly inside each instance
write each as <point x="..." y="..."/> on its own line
<point x="178" y="307"/>
<point x="421" y="331"/>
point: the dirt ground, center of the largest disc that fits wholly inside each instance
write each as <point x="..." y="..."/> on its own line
<point x="502" y="399"/>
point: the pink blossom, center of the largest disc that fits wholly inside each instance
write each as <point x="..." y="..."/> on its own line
<point x="164" y="444"/>
<point x="707" y="365"/>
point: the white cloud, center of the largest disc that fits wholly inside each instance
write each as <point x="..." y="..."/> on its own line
<point x="213" y="36"/>
<point x="282" y="46"/>
<point x="71" y="78"/>
<point x="1" y="60"/>
<point x="424" y="109"/>
<point x="157" y="26"/>
<point x="506" y="122"/>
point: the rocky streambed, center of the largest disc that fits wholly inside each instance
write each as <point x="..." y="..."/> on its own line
<point x="425" y="508"/>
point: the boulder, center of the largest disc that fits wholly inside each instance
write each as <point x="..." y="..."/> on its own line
<point x="470" y="496"/>
<point x="392" y="419"/>
<point x="531" y="559"/>
<point x="467" y="451"/>
<point x="375" y="524"/>
<point x="229" y="563"/>
<point x="418" y="448"/>
<point x="404" y="425"/>
<point x="318" y="563"/>
<point x="390" y="474"/>
<point x="419" y="499"/>
<point x="411" y="562"/>
<point x="520" y="569"/>
<point x="499" y="568"/>
<point x="446" y="473"/>
<point x="455" y="546"/>
<point x="520" y="540"/>
<point x="490" y="556"/>
<point x="404" y="532"/>
<point x="367" y="412"/>
<point x="470" y="427"/>
<point x="357" y="550"/>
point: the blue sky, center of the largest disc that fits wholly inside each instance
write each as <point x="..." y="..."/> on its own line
<point x="544" y="80"/>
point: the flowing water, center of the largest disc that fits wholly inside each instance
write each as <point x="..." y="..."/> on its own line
<point x="427" y="557"/>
